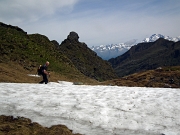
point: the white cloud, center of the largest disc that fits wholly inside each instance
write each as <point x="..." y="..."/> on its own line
<point x="32" y="10"/>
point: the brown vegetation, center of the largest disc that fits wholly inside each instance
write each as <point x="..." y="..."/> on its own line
<point x="23" y="126"/>
<point x="15" y="73"/>
<point x="166" y="77"/>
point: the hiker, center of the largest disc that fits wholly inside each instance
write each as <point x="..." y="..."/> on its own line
<point x="45" y="73"/>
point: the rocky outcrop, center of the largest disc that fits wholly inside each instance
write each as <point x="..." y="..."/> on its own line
<point x="73" y="36"/>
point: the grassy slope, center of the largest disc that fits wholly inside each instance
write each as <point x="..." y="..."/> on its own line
<point x="21" y="54"/>
<point x="166" y="77"/>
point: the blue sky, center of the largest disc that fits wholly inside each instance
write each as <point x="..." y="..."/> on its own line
<point x="96" y="21"/>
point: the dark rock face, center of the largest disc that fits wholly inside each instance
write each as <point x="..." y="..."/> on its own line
<point x="73" y="36"/>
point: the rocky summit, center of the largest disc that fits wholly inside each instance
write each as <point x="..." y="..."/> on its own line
<point x="86" y="60"/>
<point x="73" y="36"/>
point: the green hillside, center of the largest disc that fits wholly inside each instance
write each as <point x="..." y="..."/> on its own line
<point x="28" y="51"/>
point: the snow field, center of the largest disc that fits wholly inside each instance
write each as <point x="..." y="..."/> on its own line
<point x="95" y="110"/>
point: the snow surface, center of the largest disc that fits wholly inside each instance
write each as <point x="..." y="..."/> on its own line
<point x="95" y="110"/>
<point x="34" y="75"/>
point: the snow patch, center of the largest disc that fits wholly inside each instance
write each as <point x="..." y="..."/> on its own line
<point x="34" y="75"/>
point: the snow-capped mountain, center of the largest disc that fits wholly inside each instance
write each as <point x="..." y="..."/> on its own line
<point x="154" y="37"/>
<point x="113" y="50"/>
<point x="109" y="51"/>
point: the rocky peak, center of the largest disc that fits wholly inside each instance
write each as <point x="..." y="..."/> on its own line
<point x="73" y="36"/>
<point x="85" y="60"/>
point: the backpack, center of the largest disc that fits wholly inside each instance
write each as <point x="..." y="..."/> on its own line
<point x="39" y="70"/>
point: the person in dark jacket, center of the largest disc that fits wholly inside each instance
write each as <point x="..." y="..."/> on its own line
<point x="45" y="73"/>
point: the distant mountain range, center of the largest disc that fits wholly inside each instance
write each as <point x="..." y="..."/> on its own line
<point x="109" y="51"/>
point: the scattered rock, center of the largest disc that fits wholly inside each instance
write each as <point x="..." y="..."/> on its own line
<point x="77" y="83"/>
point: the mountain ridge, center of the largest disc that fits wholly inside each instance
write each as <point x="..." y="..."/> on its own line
<point x="147" y="56"/>
<point x="109" y="51"/>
